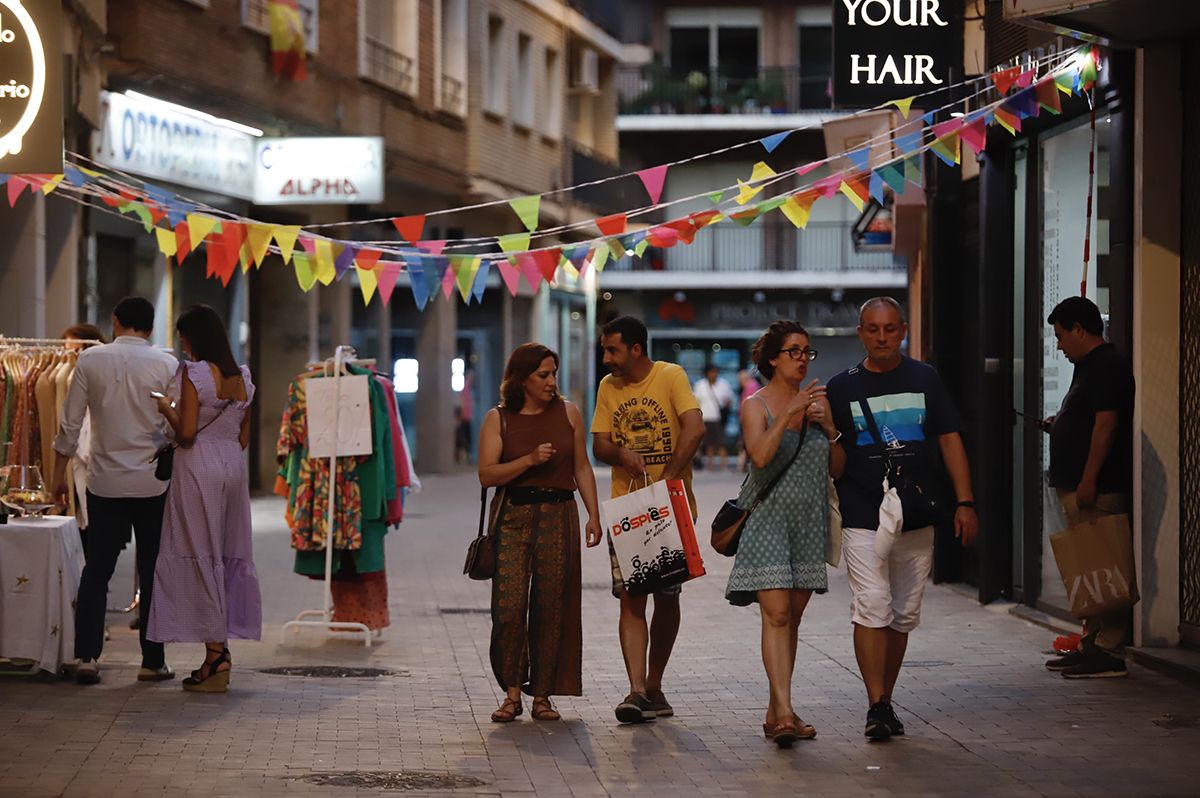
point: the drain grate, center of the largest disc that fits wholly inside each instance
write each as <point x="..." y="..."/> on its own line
<point x="391" y="780"/>
<point x="926" y="663"/>
<point x="331" y="672"/>
<point x="1178" y="721"/>
<point x="465" y="610"/>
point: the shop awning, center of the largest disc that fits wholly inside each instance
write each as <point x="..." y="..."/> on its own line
<point x="1115" y="22"/>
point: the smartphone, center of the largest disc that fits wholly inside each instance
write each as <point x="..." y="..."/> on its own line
<point x="157" y="395"/>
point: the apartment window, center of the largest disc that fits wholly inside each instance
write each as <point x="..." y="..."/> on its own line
<point x="815" y="61"/>
<point x="452" y="92"/>
<point x="720" y="43"/>
<point x="256" y="15"/>
<point x="523" y="107"/>
<point x="552" y="112"/>
<point x="495" y="94"/>
<point x="388" y="44"/>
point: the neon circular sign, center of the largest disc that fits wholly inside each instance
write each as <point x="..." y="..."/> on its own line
<point x="11" y="137"/>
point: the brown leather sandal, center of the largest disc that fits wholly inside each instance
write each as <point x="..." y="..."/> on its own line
<point x="544" y="710"/>
<point x="509" y="711"/>
<point x="804" y="731"/>
<point x="783" y="734"/>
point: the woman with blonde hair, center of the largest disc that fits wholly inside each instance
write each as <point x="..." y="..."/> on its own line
<point x="533" y="447"/>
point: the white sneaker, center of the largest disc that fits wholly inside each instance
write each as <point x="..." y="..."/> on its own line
<point x="156" y="674"/>
<point x="88" y="672"/>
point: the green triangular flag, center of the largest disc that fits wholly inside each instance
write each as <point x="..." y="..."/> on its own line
<point x="716" y="196"/>
<point x="514" y="242"/>
<point x="599" y="258"/>
<point x="912" y="170"/>
<point x="746" y="218"/>
<point x="771" y="204"/>
<point x="640" y="248"/>
<point x="527" y="210"/>
<point x="893" y="175"/>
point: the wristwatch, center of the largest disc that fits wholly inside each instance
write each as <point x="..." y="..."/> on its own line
<point x="968" y="503"/>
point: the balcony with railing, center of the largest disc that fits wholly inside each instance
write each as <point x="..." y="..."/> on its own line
<point x="581" y="166"/>
<point x="387" y="66"/>
<point x="656" y="90"/>
<point x="768" y="254"/>
<point x="453" y="99"/>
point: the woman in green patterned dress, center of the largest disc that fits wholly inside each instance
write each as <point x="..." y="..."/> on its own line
<point x="781" y="556"/>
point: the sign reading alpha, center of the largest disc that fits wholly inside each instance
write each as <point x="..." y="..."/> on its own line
<point x="31" y="113"/>
<point x="890" y="49"/>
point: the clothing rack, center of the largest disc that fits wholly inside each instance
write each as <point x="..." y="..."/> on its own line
<point x="342" y="356"/>
<point x="34" y="342"/>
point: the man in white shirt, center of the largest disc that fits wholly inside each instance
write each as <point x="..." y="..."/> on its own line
<point x="715" y="398"/>
<point x="115" y="383"/>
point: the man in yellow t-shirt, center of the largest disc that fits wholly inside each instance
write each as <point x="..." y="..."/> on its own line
<point x="647" y="425"/>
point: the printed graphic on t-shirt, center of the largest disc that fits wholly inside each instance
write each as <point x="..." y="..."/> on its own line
<point x="642" y="425"/>
<point x="899" y="416"/>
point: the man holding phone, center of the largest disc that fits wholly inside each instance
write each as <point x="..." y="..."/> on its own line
<point x="116" y="384"/>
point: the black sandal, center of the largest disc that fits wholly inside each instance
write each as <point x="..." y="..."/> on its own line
<point x="216" y="681"/>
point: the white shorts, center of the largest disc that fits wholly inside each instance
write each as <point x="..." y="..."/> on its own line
<point x="887" y="593"/>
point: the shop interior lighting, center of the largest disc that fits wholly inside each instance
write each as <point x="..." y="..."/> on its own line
<point x="458" y="375"/>
<point x="404" y="372"/>
<point x="183" y="109"/>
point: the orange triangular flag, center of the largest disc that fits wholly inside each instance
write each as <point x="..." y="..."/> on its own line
<point x="410" y="227"/>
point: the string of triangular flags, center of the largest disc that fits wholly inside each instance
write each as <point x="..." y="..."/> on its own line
<point x="182" y="227"/>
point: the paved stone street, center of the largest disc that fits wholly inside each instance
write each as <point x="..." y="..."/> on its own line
<point x="983" y="716"/>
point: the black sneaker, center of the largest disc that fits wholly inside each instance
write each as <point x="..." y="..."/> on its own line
<point x="636" y="708"/>
<point x="893" y="720"/>
<point x="879" y="727"/>
<point x="1097" y="665"/>
<point x="1065" y="661"/>
<point x="658" y="702"/>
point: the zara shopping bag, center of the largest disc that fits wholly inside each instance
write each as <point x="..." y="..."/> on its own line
<point x="653" y="536"/>
<point x="1095" y="559"/>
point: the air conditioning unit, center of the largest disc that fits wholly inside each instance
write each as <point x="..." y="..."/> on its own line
<point x="586" y="74"/>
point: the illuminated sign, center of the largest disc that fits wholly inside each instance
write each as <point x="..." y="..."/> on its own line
<point x="319" y="171"/>
<point x="891" y="49"/>
<point x="31" y="114"/>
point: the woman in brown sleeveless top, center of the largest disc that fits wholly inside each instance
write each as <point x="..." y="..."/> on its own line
<point x="533" y="446"/>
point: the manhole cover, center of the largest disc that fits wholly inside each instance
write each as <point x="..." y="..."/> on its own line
<point x="1178" y="721"/>
<point x="926" y="663"/>
<point x="465" y="610"/>
<point x="331" y="672"/>
<point x="391" y="780"/>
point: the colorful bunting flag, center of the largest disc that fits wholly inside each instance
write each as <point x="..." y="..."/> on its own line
<point x="547" y="262"/>
<point x="860" y="158"/>
<point x="716" y="196"/>
<point x="1087" y="71"/>
<point x="410" y="227"/>
<point x="435" y="247"/>
<point x="167" y="243"/>
<point x="325" y="269"/>
<point x="1066" y="82"/>
<point x="828" y="187"/>
<point x="909" y="142"/>
<point x="285" y="237"/>
<point x="465" y="267"/>
<point x="1046" y="92"/>
<point x="912" y="170"/>
<point x="801" y="171"/>
<point x="367" y="281"/>
<point x="387" y="274"/>
<point x="639" y="249"/>
<point x="612" y="225"/>
<point x="448" y="278"/>
<point x="904" y="105"/>
<point x="975" y="134"/>
<point x="761" y="172"/>
<point x="1026" y="79"/>
<point x="653" y="179"/>
<point x="51" y="184"/>
<point x="183" y="241"/>
<point x="857" y="190"/>
<point x="799" y="207"/>
<point x="510" y="275"/>
<point x="367" y="258"/>
<point x="481" y="278"/>
<point x="600" y="258"/>
<point x="1008" y="120"/>
<point x="419" y="273"/>
<point x="529" y="269"/>
<point x="892" y="175"/>
<point x="514" y="243"/>
<point x="16" y="185"/>
<point x="747" y="217"/>
<point x="876" y="187"/>
<point x="746" y="192"/>
<point x="1005" y="78"/>
<point x="199" y="227"/>
<point x="527" y="209"/>
<point x="949" y="149"/>
<point x="343" y="258"/>
<point x="304" y="272"/>
<point x="771" y="142"/>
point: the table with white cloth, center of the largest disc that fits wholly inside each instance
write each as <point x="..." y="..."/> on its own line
<point x="41" y="561"/>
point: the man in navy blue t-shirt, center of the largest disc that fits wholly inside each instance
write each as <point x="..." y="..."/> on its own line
<point x="895" y="420"/>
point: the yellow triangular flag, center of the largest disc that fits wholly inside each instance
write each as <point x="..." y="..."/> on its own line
<point x="199" y="227"/>
<point x="852" y="195"/>
<point x="304" y="273"/>
<point x="904" y="105"/>
<point x="89" y="172"/>
<point x="464" y="273"/>
<point x="285" y="237"/>
<point x="367" y="282"/>
<point x="326" y="271"/>
<point x="599" y="258"/>
<point x="761" y="172"/>
<point x="258" y="239"/>
<point x="167" y="242"/>
<point x="797" y="212"/>
<point x="52" y="184"/>
<point x="244" y="256"/>
<point x="746" y="192"/>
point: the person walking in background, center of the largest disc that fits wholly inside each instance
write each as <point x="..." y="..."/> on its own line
<point x="892" y="411"/>
<point x="207" y="585"/>
<point x="1091" y="462"/>
<point x="748" y="387"/>
<point x="534" y="446"/>
<point x="112" y="385"/>
<point x="647" y="426"/>
<point x="794" y="447"/>
<point x="716" y="400"/>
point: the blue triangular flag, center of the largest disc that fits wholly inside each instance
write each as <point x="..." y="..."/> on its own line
<point x="176" y="213"/>
<point x="860" y="158"/>
<point x="876" y="187"/>
<point x="909" y="142"/>
<point x="420" y="287"/>
<point x="480" y="284"/>
<point x="1024" y="103"/>
<point x="771" y="142"/>
<point x="74" y="176"/>
<point x="929" y="117"/>
<point x="577" y="255"/>
<point x="439" y="263"/>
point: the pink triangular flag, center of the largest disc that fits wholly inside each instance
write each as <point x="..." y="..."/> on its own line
<point x="828" y="187"/>
<point x="975" y="134"/>
<point x="808" y="167"/>
<point x="448" y="282"/>
<point x="432" y="247"/>
<point x="387" y="274"/>
<point x="510" y="275"/>
<point x="16" y="185"/>
<point x="1026" y="79"/>
<point x="529" y="268"/>
<point x="653" y="179"/>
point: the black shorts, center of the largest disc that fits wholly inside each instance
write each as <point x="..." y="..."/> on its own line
<point x="714" y="434"/>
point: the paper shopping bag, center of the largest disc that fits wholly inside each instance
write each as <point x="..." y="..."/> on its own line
<point x="648" y="530"/>
<point x="1095" y="559"/>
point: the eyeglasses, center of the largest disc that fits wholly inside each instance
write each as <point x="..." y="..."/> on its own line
<point x="797" y="353"/>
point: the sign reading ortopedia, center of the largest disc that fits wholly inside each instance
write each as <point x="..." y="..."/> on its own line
<point x="891" y="49"/>
<point x="31" y="114"/>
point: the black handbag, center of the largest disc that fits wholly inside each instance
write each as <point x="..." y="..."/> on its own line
<point x="920" y="502"/>
<point x="731" y="518"/>
<point x="481" y="553"/>
<point x="164" y="458"/>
